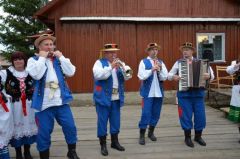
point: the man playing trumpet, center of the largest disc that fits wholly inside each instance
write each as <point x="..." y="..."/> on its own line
<point x="51" y="95"/>
<point x="152" y="72"/>
<point x="109" y="95"/>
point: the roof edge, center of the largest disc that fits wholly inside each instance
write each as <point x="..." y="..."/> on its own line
<point x="48" y="7"/>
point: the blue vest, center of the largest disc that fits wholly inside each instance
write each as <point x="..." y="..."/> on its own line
<point x="39" y="85"/>
<point x="102" y="93"/>
<point x="195" y="92"/>
<point x="146" y="84"/>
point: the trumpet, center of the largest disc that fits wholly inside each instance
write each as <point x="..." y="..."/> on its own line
<point x="126" y="70"/>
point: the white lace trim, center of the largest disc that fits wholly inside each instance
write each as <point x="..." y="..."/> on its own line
<point x="25" y="134"/>
<point x="6" y="140"/>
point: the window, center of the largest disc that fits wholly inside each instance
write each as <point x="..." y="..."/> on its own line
<point x="211" y="46"/>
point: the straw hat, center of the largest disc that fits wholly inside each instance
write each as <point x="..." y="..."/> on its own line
<point x="43" y="37"/>
<point x="153" y="46"/>
<point x="110" y="47"/>
<point x="187" y="45"/>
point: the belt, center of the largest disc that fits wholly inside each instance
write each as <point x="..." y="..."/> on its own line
<point x="114" y="91"/>
<point x="53" y="87"/>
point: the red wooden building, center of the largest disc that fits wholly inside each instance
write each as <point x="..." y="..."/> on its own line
<point x="82" y="27"/>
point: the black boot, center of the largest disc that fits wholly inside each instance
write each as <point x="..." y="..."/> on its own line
<point x="103" y="144"/>
<point x="27" y="154"/>
<point x="115" y="143"/>
<point x="19" y="152"/>
<point x="142" y="137"/>
<point x="198" y="138"/>
<point x="151" y="134"/>
<point x="44" y="154"/>
<point x="72" y="154"/>
<point x="188" y="140"/>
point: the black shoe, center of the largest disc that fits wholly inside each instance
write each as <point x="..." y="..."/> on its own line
<point x="151" y="135"/>
<point x="27" y="154"/>
<point x="72" y="154"/>
<point x="115" y="143"/>
<point x="188" y="140"/>
<point x="103" y="144"/>
<point x="44" y="154"/>
<point x="200" y="141"/>
<point x="142" y="137"/>
<point x="198" y="138"/>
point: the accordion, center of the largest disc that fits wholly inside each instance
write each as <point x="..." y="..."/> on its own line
<point x="191" y="74"/>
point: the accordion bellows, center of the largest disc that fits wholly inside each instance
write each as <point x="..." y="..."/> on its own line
<point x="191" y="73"/>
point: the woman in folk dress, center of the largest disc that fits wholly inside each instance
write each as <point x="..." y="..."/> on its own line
<point x="19" y="85"/>
<point x="6" y="123"/>
<point x="234" y="113"/>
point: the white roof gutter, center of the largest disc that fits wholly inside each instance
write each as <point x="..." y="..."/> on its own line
<point x="150" y="19"/>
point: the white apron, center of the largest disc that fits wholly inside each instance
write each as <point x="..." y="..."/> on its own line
<point x="235" y="100"/>
<point x="24" y="126"/>
<point x="6" y="124"/>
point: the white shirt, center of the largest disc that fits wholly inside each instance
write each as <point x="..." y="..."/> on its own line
<point x="101" y="73"/>
<point x="175" y="68"/>
<point x="17" y="74"/>
<point x="37" y="68"/>
<point x="232" y="68"/>
<point x="143" y="74"/>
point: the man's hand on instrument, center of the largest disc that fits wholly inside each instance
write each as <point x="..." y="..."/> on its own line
<point x="155" y="68"/>
<point x="43" y="53"/>
<point x="206" y="76"/>
<point x="176" y="77"/>
<point x="57" y="54"/>
<point x="115" y="64"/>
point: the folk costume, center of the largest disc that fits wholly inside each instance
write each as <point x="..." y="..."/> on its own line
<point x="234" y="113"/>
<point x="6" y="123"/>
<point x="191" y="102"/>
<point x="108" y="96"/>
<point x="19" y="85"/>
<point x="51" y="99"/>
<point x="152" y="93"/>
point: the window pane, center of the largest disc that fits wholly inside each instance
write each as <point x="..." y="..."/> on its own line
<point x="210" y="46"/>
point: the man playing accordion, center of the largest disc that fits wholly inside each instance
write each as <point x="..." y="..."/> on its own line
<point x="191" y="100"/>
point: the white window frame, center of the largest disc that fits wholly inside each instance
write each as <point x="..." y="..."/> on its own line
<point x="223" y="44"/>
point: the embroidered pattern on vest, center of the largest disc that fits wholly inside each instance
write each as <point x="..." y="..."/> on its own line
<point x="12" y="86"/>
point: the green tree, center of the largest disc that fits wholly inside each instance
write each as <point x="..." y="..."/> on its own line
<point x="18" y="24"/>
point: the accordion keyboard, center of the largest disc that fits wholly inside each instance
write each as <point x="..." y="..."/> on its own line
<point x="184" y="76"/>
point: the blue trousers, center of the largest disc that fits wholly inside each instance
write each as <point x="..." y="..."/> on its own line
<point x="151" y="109"/>
<point x="112" y="114"/>
<point x="187" y="107"/>
<point x="45" y="122"/>
<point x="4" y="153"/>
